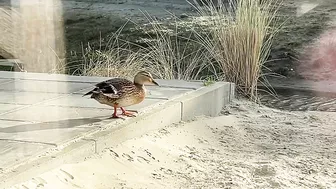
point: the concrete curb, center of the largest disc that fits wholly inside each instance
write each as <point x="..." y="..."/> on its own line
<point x="208" y="100"/>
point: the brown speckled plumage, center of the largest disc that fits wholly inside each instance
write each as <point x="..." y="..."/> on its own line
<point x="125" y="93"/>
<point x="119" y="92"/>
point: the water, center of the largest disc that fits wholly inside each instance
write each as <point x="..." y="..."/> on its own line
<point x="296" y="100"/>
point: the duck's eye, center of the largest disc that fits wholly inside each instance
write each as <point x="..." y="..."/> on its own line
<point x="146" y="75"/>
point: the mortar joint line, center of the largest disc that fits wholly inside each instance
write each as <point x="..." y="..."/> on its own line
<point x="230" y="92"/>
<point x="181" y="110"/>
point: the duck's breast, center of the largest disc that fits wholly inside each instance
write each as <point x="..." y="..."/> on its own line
<point x="131" y="99"/>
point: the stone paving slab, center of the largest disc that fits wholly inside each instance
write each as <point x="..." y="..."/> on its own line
<point x="25" y="98"/>
<point x="42" y="113"/>
<point x="166" y="92"/>
<point x="44" y="86"/>
<point x="8" y="107"/>
<point x="78" y="101"/>
<point x="180" y="84"/>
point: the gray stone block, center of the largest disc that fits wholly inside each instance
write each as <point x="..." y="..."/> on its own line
<point x="25" y="98"/>
<point x="42" y="113"/>
<point x="180" y="84"/>
<point x="43" y="86"/>
<point x="8" y="107"/>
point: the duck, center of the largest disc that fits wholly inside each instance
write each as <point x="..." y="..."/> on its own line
<point x="121" y="92"/>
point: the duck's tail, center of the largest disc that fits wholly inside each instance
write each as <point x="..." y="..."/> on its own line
<point x="88" y="93"/>
<point x="92" y="91"/>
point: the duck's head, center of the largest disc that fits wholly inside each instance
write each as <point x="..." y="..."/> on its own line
<point x="144" y="77"/>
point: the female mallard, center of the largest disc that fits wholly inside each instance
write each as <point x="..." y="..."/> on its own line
<point x="120" y="93"/>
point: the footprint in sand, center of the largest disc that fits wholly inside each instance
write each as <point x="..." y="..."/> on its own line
<point x="150" y="154"/>
<point x="128" y="157"/>
<point x="142" y="159"/>
<point x="157" y="176"/>
<point x="38" y="182"/>
<point x="264" y="171"/>
<point x="202" y="141"/>
<point x="67" y="176"/>
<point x="113" y="153"/>
<point x="164" y="132"/>
<point x="166" y="171"/>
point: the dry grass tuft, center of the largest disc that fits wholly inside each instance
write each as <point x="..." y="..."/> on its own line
<point x="172" y="55"/>
<point x="240" y="39"/>
<point x="164" y="53"/>
<point x="237" y="45"/>
<point x="116" y="59"/>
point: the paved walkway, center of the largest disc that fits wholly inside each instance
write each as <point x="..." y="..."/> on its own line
<point x="41" y="112"/>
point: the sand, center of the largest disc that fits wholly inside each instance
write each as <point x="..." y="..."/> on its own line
<point x="247" y="146"/>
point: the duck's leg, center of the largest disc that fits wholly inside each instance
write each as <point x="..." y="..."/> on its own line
<point x="114" y="115"/>
<point x="126" y="113"/>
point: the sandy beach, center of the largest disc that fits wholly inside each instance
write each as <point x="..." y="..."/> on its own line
<point x="247" y="146"/>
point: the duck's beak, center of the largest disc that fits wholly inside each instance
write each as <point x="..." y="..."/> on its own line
<point x="154" y="82"/>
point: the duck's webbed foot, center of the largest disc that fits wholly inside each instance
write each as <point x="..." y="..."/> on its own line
<point x="127" y="113"/>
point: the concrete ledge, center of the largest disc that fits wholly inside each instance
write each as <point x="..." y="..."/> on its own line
<point x="207" y="100"/>
<point x="232" y="92"/>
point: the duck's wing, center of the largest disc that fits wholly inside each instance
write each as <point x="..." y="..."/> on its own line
<point x="107" y="88"/>
<point x="113" y="87"/>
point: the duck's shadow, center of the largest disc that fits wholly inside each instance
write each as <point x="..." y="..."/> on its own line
<point x="60" y="124"/>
